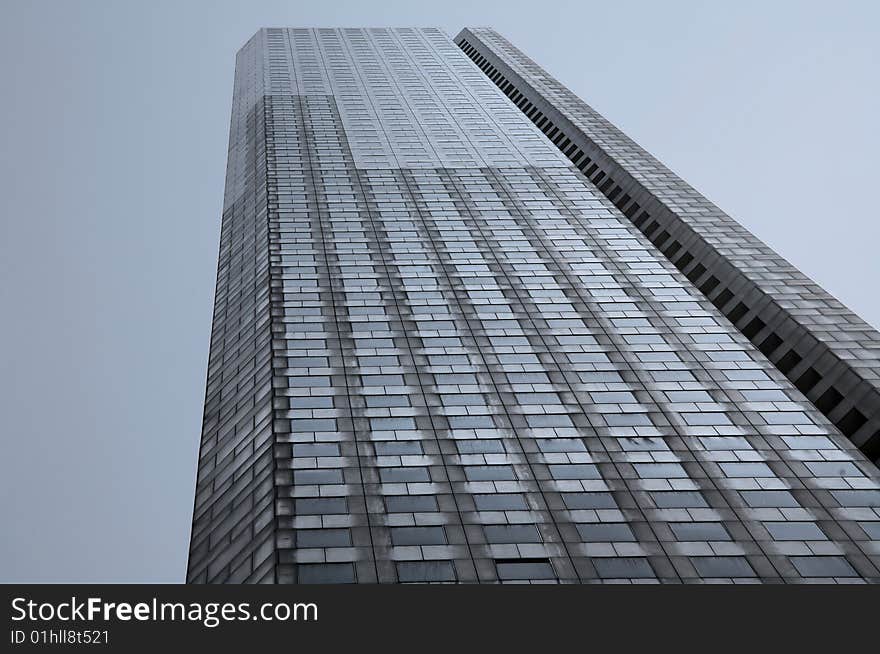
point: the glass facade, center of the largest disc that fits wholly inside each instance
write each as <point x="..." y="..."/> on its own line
<point x="441" y="354"/>
<point x="830" y="354"/>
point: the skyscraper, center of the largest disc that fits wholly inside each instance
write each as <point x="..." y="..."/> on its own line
<point x="466" y="330"/>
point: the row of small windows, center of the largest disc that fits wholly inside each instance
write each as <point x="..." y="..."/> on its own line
<point x="541" y="569"/>
<point x="849" y="423"/>
<point x="571" y="471"/>
<point x="587" y="532"/>
<point x="756" y="499"/>
<point x="545" y="445"/>
<point x="529" y="533"/>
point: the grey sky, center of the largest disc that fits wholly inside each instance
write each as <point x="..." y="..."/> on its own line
<point x="115" y="119"/>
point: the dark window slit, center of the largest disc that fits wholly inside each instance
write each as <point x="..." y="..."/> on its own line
<point x="753" y="328"/>
<point x="709" y="285"/>
<point x="852" y="422"/>
<point x="631" y="211"/>
<point x="654" y="226"/>
<point x="737" y="313"/>
<point x="723" y="298"/>
<point x="684" y="260"/>
<point x="789" y="360"/>
<point x="696" y="273"/>
<point x="808" y="380"/>
<point x="828" y="400"/>
<point x="769" y="344"/>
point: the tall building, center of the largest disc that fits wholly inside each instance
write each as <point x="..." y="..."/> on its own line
<point x="466" y="330"/>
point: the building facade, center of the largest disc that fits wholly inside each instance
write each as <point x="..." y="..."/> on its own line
<point x="466" y="331"/>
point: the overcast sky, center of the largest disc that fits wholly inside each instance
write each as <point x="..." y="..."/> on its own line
<point x="115" y="121"/>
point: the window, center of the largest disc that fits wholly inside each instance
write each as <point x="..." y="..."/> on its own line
<point x="392" y="475"/>
<point x="524" y="569"/>
<point x="794" y="531"/>
<point x="777" y="499"/>
<point x="321" y="506"/>
<point x="512" y="534"/>
<point x="387" y="400"/>
<point x="425" y="571"/>
<point x="573" y="471"/>
<point x="391" y="448"/>
<point x="391" y="424"/>
<point x="315" y="449"/>
<point x="489" y="473"/>
<point x="823" y="566"/>
<point x="323" y="538"/>
<point x="330" y="476"/>
<point x="598" y="500"/>
<point x="605" y="532"/>
<point x="325" y="573"/>
<point x="482" y="446"/>
<point x="722" y="566"/>
<point x="699" y="531"/>
<point x="678" y="500"/>
<point x="623" y="568"/>
<point x="500" y="502"/>
<point x="418" y="536"/>
<point x="410" y="503"/>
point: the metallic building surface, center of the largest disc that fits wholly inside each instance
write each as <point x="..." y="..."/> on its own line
<point x="440" y="353"/>
<point x="830" y="354"/>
